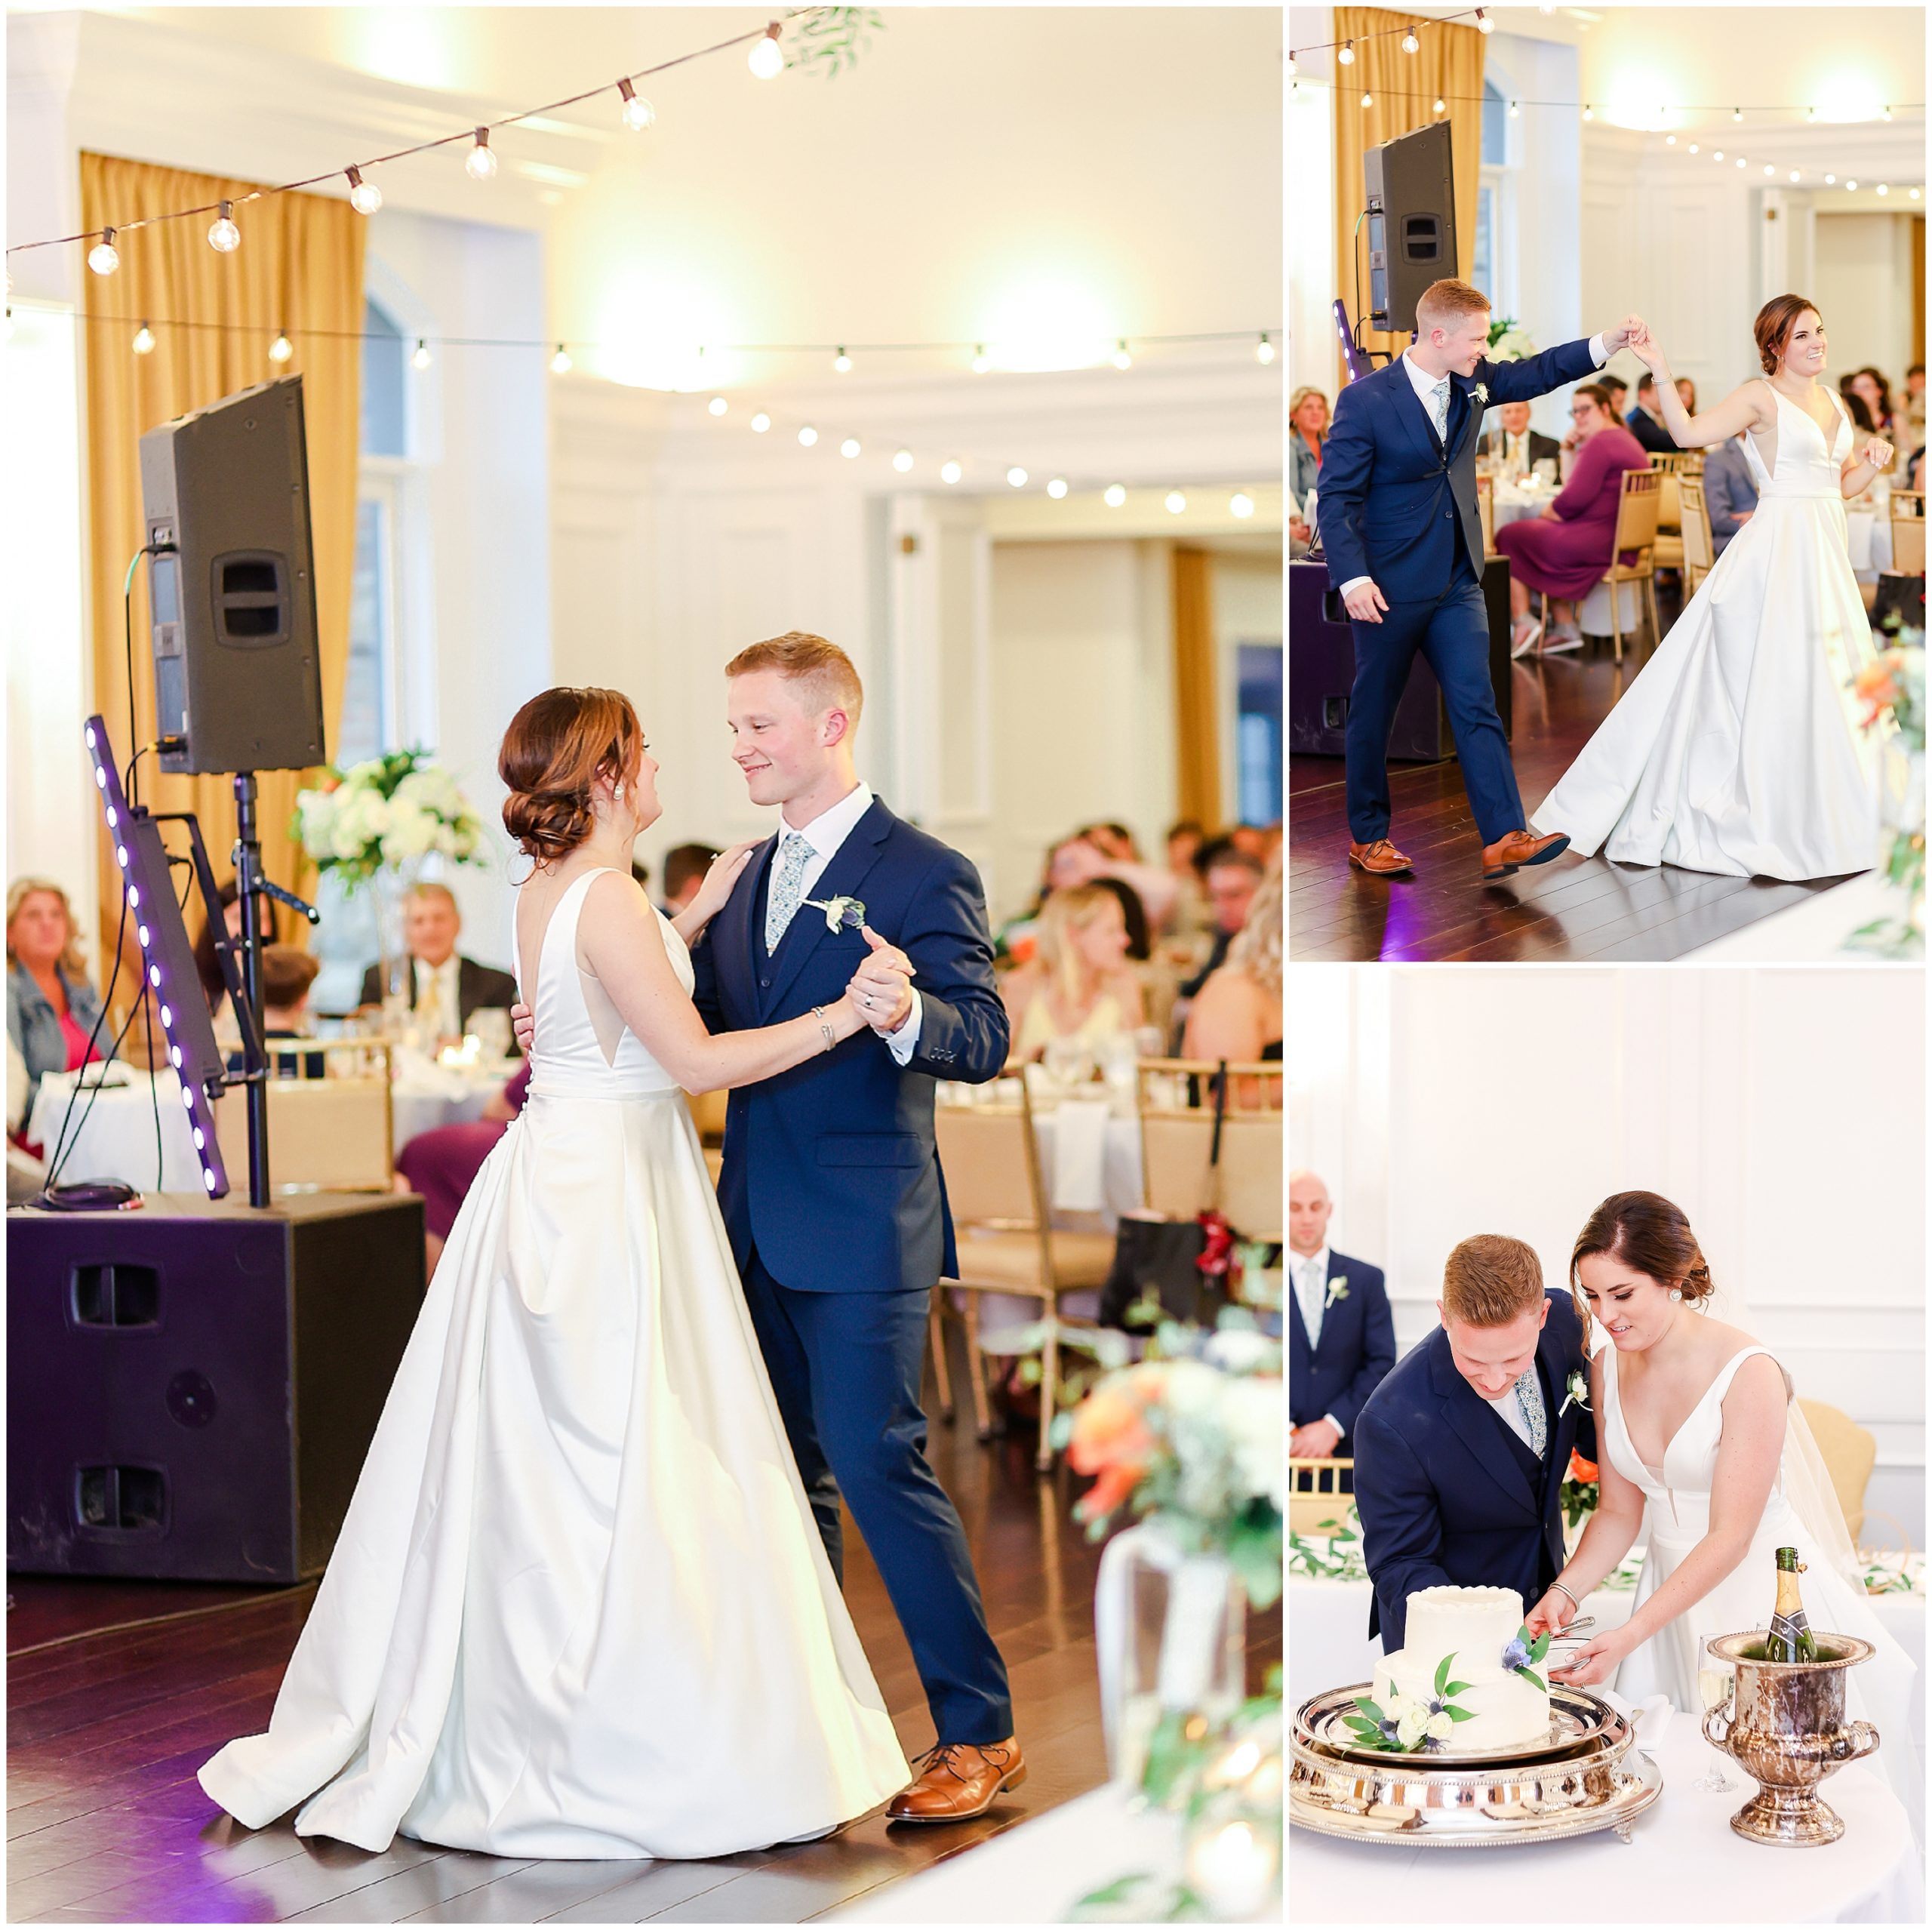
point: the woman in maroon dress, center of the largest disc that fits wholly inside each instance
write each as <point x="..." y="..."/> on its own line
<point x="442" y="1164"/>
<point x="1565" y="550"/>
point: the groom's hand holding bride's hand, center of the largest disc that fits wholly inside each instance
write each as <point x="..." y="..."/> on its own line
<point x="882" y="986"/>
<point x="1624" y="335"/>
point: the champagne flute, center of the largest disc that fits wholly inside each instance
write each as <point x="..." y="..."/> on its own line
<point x="1717" y="1679"/>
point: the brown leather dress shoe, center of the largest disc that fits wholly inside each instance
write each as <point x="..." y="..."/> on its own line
<point x="958" y="1780"/>
<point x="1522" y="848"/>
<point x="1380" y="860"/>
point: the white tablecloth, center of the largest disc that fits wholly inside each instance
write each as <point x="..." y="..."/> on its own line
<point x="417" y="1106"/>
<point x="1684" y="1864"/>
<point x="1869" y="537"/>
<point x="113" y="1133"/>
<point x="1037" y="1871"/>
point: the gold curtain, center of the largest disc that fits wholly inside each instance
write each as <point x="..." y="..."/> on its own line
<point x="1405" y="88"/>
<point x="1196" y="709"/>
<point x="299" y="268"/>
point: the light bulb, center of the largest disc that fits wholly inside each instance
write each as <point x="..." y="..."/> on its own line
<point x="224" y="236"/>
<point x="849" y="446"/>
<point x="1883" y="189"/>
<point x="560" y="362"/>
<point x="1831" y="180"/>
<point x="1056" y="488"/>
<point x="104" y="257"/>
<point x="1292" y="70"/>
<point x="282" y="348"/>
<point x="981" y="361"/>
<point x="760" y="422"/>
<point x="1851" y="187"/>
<point x="1114" y="495"/>
<point x="480" y="164"/>
<point x="1175" y="502"/>
<point x="1718" y="155"/>
<point x="841" y="363"/>
<point x="1740" y="160"/>
<point x="1769" y="169"/>
<point x="144" y="340"/>
<point x="1589" y="112"/>
<point x="1368" y="101"/>
<point x="902" y="460"/>
<point x="1121" y="358"/>
<point x="1694" y="147"/>
<point x="950" y="472"/>
<point x="1410" y="43"/>
<point x="1483" y="23"/>
<point x="1888" y="113"/>
<point x="1915" y="194"/>
<point x="363" y="196"/>
<point x="807" y="436"/>
<point x="766" y="58"/>
<point x="1242" y="504"/>
<point x="718" y="405"/>
<point x="1347" y="57"/>
<point x="638" y="112"/>
<point x="1794" y="174"/>
<point x="1811" y="113"/>
<point x="1016" y="476"/>
<point x="1670" y="140"/>
<point x="1737" y="113"/>
<point x="1515" y="110"/>
<point x="1264" y="349"/>
<point x="1441" y="106"/>
<point x="422" y="357"/>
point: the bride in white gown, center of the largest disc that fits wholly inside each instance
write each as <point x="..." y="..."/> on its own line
<point x="1736" y="749"/>
<point x="1701" y="1447"/>
<point x="579" y="1606"/>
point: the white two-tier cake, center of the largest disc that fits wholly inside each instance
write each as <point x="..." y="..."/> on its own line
<point x="1472" y="1627"/>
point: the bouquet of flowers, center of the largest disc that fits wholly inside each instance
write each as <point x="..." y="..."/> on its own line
<point x="1508" y="342"/>
<point x="1578" y="1494"/>
<point x="1892" y="686"/>
<point x="384" y="815"/>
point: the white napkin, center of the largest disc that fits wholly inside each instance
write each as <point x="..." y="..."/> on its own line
<point x="1080" y="1155"/>
<point x="1650" y="1718"/>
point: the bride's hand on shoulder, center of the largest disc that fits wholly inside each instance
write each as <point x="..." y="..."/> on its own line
<point x="726" y="870"/>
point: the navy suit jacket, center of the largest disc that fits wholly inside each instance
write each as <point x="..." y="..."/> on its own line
<point x="831" y="1170"/>
<point x="1393" y="500"/>
<point x="1730" y="490"/>
<point x="1357" y="1348"/>
<point x="1447" y="1493"/>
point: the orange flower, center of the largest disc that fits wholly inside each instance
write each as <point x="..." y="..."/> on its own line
<point x="1579" y="1468"/>
<point x="1110" y="1430"/>
<point x="1116" y="1483"/>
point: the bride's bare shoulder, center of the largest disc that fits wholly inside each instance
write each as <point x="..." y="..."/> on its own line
<point x="1760" y="395"/>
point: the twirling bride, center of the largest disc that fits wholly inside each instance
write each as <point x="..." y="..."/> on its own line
<point x="1736" y="749"/>
<point x="1701" y="1446"/>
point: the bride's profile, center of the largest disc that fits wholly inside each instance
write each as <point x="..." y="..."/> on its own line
<point x="1737" y="748"/>
<point x="1703" y="1448"/>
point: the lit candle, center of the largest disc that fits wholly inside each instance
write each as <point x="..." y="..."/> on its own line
<point x="1232" y="1869"/>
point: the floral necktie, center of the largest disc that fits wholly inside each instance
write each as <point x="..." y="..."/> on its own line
<point x="788" y="883"/>
<point x="1529" y="1397"/>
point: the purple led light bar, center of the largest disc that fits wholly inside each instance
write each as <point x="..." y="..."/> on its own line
<point x="167" y="958"/>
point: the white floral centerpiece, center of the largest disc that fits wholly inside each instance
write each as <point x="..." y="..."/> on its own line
<point x="1508" y="342"/>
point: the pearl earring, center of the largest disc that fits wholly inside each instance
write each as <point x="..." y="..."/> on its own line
<point x="1677" y="1293"/>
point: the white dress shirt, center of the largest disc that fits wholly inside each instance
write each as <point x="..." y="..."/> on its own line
<point x="1311" y="1272"/>
<point x="825" y="833"/>
<point x="438" y="1008"/>
<point x="1424" y="384"/>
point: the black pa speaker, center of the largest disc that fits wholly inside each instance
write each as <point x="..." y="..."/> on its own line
<point x="1411" y="222"/>
<point x="191" y="1387"/>
<point x="238" y="675"/>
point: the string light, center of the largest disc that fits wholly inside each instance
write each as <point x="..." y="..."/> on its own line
<point x="1915" y="194"/>
<point x="1740" y="160"/>
<point x="767" y="58"/>
<point x="718" y="405"/>
<point x="1483" y="23"/>
<point x="902" y="460"/>
<point x="1589" y="112"/>
<point x="1292" y="70"/>
<point x="1113" y="495"/>
<point x="1718" y="155"/>
<point x="1175" y="502"/>
<point x="1368" y="101"/>
<point x="1888" y="113"/>
<point x="981" y="363"/>
<point x="1410" y="43"/>
<point x="1794" y="174"/>
<point x="224" y="236"/>
<point x="480" y="164"/>
<point x="104" y="257"/>
<point x="849" y="446"/>
<point x="1769" y="169"/>
<point x="1515" y="110"/>
<point x="807" y="436"/>
<point x="1737" y="113"/>
<point x="282" y="348"/>
<point x="841" y="363"/>
<point x="144" y="340"/>
<point x="1441" y="106"/>
<point x="1831" y="180"/>
<point x="1347" y="57"/>
<point x="950" y="472"/>
<point x="1851" y="187"/>
<point x="1264" y="349"/>
<point x="638" y="113"/>
<point x="760" y="422"/>
<point x="1694" y="147"/>
<point x="1056" y="488"/>
<point x="560" y="362"/>
<point x="1883" y="189"/>
<point x="1016" y="476"/>
<point x="1670" y="140"/>
<point x="1121" y="358"/>
<point x="422" y="357"/>
<point x="363" y="196"/>
<point x="1240" y="505"/>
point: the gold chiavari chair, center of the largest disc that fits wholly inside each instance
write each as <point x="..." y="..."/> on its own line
<point x="1636" y="529"/>
<point x="331" y="1128"/>
<point x="1486" y="507"/>
<point x="1698" y="547"/>
<point x="1314" y="1494"/>
<point x="1908" y="522"/>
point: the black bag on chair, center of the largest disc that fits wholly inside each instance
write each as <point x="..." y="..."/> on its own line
<point x="1160" y="1259"/>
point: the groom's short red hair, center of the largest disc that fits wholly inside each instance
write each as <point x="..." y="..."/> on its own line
<point x="1443" y="304"/>
<point x="1491" y="1280"/>
<point x="825" y="669"/>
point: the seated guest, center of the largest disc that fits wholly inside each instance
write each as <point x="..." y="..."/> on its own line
<point x="1230" y="877"/>
<point x="1308" y="423"/>
<point x="442" y="1164"/>
<point x="17" y="1088"/>
<point x="1619" y="392"/>
<point x="1564" y="552"/>
<point x="52" y="1008"/>
<point x="1686" y="392"/>
<point x="684" y="869"/>
<point x="1730" y="490"/>
<point x="1079" y="860"/>
<point x="1646" y="422"/>
<point x="207" y="965"/>
<point x="1139" y="938"/>
<point x="1856" y="408"/>
<point x="444" y="987"/>
<point x="1510" y="440"/>
<point x="1875" y="393"/>
<point x="1236" y="1013"/>
<point x="287" y="975"/>
<point x="1343" y="1340"/>
<point x="1079" y="984"/>
<point x="1913" y="411"/>
<point x="1189" y="912"/>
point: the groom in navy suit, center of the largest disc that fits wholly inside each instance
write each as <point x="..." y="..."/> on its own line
<point x="1403" y="535"/>
<point x="1342" y="1339"/>
<point x="1461" y="1451"/>
<point x="831" y="1191"/>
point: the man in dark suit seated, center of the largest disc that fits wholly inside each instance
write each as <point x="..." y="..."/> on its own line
<point x="1730" y="490"/>
<point x="1344" y="1340"/>
<point x="1646" y="421"/>
<point x="1509" y="439"/>
<point x="444" y="987"/>
<point x="1461" y="1451"/>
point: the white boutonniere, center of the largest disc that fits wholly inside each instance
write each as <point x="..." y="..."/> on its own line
<point x="1338" y="1289"/>
<point x="1579" y="1391"/>
<point x="1481" y="391"/>
<point x="848" y="913"/>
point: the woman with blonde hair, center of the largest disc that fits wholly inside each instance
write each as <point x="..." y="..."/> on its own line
<point x="1078" y="983"/>
<point x="52" y="1008"/>
<point x="1237" y="1014"/>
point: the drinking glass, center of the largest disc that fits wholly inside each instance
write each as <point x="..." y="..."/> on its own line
<point x="491" y="1025"/>
<point x="1717" y="1679"/>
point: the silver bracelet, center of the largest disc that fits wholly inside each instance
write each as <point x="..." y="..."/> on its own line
<point x="825" y="1027"/>
<point x="1567" y="1595"/>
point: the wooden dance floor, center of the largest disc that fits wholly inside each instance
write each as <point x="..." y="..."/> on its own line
<point x="117" y="1692"/>
<point x="1571" y="908"/>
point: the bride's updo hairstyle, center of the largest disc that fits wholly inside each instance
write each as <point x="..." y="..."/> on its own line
<point x="1643" y="1230"/>
<point x="1776" y="320"/>
<point x="556" y="748"/>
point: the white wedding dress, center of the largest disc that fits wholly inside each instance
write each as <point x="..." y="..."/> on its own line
<point x="1736" y="749"/>
<point x="580" y="1607"/>
<point x="1802" y="1513"/>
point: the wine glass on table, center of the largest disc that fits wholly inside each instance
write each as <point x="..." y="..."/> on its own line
<point x="1717" y="1680"/>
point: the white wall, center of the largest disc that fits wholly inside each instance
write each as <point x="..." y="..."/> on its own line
<point x="1864" y="261"/>
<point x="1782" y="1109"/>
<point x="1310" y="153"/>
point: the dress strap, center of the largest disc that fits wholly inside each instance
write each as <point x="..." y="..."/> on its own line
<point x="1721" y="1386"/>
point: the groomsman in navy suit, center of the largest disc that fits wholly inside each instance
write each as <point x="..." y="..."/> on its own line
<point x="1461" y="1451"/>
<point x="1403" y="535"/>
<point x="1343" y="1341"/>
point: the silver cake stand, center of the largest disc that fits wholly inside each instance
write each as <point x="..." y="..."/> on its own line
<point x="1586" y="1777"/>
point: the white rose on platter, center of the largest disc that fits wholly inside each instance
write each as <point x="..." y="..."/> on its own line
<point x="1397" y="1708"/>
<point x="1411" y="1729"/>
<point x="1440" y="1726"/>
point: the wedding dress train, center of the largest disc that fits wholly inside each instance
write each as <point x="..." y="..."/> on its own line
<point x="578" y="1607"/>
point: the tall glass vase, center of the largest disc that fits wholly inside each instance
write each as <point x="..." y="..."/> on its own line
<point x="389" y="894"/>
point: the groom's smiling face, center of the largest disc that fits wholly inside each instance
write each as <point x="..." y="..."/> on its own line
<point x="1493" y="1358"/>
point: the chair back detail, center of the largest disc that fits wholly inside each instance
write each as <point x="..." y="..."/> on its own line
<point x="1850" y="1451"/>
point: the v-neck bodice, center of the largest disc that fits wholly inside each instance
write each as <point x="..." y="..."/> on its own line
<point x="1805" y="464"/>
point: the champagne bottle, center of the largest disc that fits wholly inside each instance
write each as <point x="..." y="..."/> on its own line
<point x="1791" y="1640"/>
